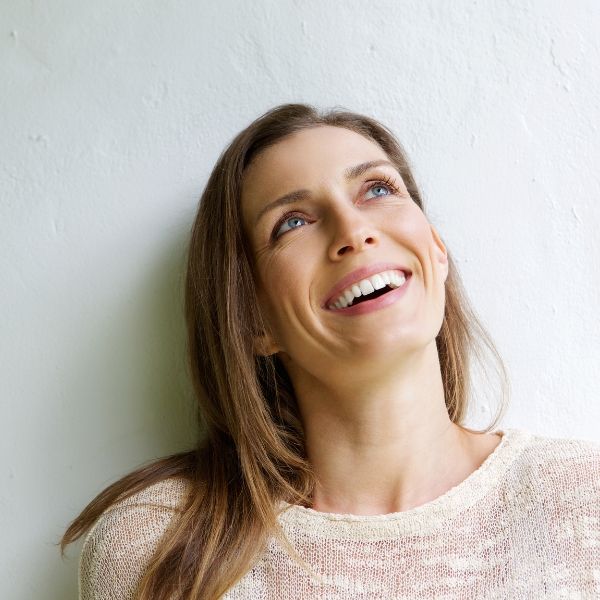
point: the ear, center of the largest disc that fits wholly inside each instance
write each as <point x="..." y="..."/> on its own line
<point x="441" y="252"/>
<point x="265" y="345"/>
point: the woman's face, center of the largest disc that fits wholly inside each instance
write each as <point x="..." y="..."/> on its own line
<point x="344" y="208"/>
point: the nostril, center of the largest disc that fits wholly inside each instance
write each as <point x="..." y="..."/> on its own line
<point x="368" y="240"/>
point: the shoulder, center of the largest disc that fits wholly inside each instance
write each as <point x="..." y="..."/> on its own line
<point x="551" y="453"/>
<point x="568" y="469"/>
<point x="557" y="484"/>
<point x="121" y="543"/>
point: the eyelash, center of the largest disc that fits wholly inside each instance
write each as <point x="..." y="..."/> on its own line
<point x="386" y="181"/>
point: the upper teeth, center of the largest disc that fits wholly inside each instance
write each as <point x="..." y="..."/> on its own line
<point x="367" y="286"/>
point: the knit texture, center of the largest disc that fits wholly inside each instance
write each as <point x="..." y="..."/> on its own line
<point x="524" y="525"/>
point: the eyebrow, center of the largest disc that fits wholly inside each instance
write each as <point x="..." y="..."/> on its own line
<point x="349" y="174"/>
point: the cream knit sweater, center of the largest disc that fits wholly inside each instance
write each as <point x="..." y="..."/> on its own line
<point x="524" y="525"/>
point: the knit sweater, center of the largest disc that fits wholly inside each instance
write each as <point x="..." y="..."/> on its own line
<point x="524" y="525"/>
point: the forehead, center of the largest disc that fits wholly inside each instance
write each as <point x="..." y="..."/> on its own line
<point x="302" y="160"/>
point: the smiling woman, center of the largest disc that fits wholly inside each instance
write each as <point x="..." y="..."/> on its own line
<point x="332" y="370"/>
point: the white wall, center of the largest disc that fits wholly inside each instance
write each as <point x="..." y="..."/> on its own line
<point x="112" y="114"/>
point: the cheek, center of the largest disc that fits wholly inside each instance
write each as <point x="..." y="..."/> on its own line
<point x="286" y="269"/>
<point x="411" y="226"/>
<point x="276" y="276"/>
<point x="282" y="282"/>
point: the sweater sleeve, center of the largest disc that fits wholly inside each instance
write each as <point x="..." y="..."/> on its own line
<point x="117" y="550"/>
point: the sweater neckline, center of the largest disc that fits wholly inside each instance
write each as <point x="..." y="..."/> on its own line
<point x="421" y="518"/>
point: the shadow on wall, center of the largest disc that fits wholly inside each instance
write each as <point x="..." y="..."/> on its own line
<point x="142" y="409"/>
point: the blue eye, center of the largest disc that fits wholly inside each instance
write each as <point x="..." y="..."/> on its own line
<point x="294" y="219"/>
<point x="379" y="186"/>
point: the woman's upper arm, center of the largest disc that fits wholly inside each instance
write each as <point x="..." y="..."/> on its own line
<point x="117" y="550"/>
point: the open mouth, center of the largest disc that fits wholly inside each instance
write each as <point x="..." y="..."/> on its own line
<point x="369" y="289"/>
<point x="372" y="295"/>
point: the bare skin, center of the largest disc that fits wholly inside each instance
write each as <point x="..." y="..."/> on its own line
<point x="369" y="386"/>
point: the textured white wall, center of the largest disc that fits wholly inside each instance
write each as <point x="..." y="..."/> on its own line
<point x="112" y="115"/>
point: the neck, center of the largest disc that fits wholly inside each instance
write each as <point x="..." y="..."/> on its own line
<point x="382" y="444"/>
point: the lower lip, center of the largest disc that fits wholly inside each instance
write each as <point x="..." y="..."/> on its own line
<point x="375" y="304"/>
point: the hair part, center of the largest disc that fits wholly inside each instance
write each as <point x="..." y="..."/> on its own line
<point x="252" y="454"/>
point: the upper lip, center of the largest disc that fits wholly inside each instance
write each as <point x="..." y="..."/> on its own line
<point x="358" y="275"/>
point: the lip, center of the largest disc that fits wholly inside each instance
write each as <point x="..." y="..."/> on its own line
<point x="362" y="273"/>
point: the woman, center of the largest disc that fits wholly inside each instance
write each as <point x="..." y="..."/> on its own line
<point x="329" y="345"/>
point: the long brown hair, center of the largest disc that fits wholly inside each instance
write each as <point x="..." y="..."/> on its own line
<point x="251" y="455"/>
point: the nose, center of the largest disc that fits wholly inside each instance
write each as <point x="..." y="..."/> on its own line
<point x="353" y="233"/>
